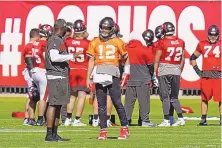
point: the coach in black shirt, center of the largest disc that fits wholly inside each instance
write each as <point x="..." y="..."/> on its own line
<point x="57" y="67"/>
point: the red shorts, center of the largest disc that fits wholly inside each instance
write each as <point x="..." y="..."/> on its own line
<point x="211" y="87"/>
<point x="77" y="79"/>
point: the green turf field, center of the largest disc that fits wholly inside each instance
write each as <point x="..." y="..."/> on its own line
<point x="14" y="135"/>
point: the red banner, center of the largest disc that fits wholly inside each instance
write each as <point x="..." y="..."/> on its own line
<point x="17" y="18"/>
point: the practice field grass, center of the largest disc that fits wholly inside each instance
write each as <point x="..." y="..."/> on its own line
<point x="14" y="135"/>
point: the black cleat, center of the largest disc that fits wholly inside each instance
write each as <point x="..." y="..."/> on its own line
<point x="220" y="122"/>
<point x="40" y="122"/>
<point x="202" y="123"/>
<point x="50" y="138"/>
<point x="60" y="139"/>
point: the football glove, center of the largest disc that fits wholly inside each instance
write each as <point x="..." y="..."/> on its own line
<point x="155" y="82"/>
<point x="125" y="78"/>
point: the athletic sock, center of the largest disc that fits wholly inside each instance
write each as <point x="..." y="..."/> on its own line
<point x="96" y="116"/>
<point x="204" y="117"/>
<point x="69" y="115"/>
<point x="180" y="115"/>
<point x="55" y="130"/>
<point x="49" y="131"/>
<point x="40" y="117"/>
<point x="166" y="117"/>
<point x="77" y="117"/>
<point x="108" y="117"/>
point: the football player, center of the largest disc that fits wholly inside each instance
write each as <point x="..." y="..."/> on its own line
<point x="169" y="61"/>
<point x="210" y="75"/>
<point x="78" y="72"/>
<point x="69" y="30"/>
<point x="104" y="54"/>
<point x="39" y="72"/>
<point x="31" y="102"/>
<point x="159" y="34"/>
<point x="141" y="72"/>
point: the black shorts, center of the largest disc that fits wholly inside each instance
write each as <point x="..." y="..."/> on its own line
<point x="59" y="92"/>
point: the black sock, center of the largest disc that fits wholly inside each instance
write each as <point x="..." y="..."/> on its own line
<point x="55" y="129"/>
<point x="77" y="118"/>
<point x="221" y="117"/>
<point x="69" y="115"/>
<point x="108" y="117"/>
<point x="96" y="116"/>
<point x="49" y="131"/>
<point x="180" y="115"/>
<point x="204" y="117"/>
<point x="40" y="117"/>
<point x="166" y="117"/>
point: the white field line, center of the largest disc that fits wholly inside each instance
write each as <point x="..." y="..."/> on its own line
<point x="36" y="131"/>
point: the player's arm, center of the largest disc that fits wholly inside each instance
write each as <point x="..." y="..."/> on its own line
<point x="193" y="62"/>
<point x="91" y="53"/>
<point x="55" y="56"/>
<point x="182" y="61"/>
<point x="29" y="59"/>
<point x="157" y="59"/>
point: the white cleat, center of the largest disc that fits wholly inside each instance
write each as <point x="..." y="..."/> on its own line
<point x="95" y="122"/>
<point x="78" y="123"/>
<point x="109" y="123"/>
<point x="180" y="122"/>
<point x="68" y="122"/>
<point x="165" y="123"/>
<point x="26" y="122"/>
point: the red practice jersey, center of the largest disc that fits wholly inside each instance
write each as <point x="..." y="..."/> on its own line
<point x="172" y="50"/>
<point x="39" y="53"/>
<point x="211" y="55"/>
<point x="28" y="49"/>
<point x="78" y="45"/>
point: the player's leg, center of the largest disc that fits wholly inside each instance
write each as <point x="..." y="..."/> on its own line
<point x="71" y="104"/>
<point x="95" y="121"/>
<point x="101" y="94"/>
<point x="143" y="93"/>
<point x="109" y="109"/>
<point x="63" y="113"/>
<point x="82" y="90"/>
<point x="206" y="95"/>
<point x="79" y="109"/>
<point x="70" y="108"/>
<point x="40" y="77"/>
<point x="164" y="89"/>
<point x="26" y="120"/>
<point x="171" y="112"/>
<point x="217" y="95"/>
<point x="130" y="99"/>
<point x="175" y="87"/>
<point x="115" y="93"/>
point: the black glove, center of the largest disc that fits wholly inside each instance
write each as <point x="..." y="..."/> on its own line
<point x="198" y="71"/>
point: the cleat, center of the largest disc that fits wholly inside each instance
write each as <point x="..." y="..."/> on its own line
<point x="95" y="122"/>
<point x="40" y="122"/>
<point x="102" y="134"/>
<point x="203" y="122"/>
<point x="68" y="122"/>
<point x="60" y="139"/>
<point x="148" y="124"/>
<point x="180" y="122"/>
<point x="78" y="123"/>
<point x="165" y="123"/>
<point x="124" y="133"/>
<point x="26" y="121"/>
<point x="32" y="122"/>
<point x="50" y="138"/>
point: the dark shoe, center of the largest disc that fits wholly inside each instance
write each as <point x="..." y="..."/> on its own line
<point x="32" y="122"/>
<point x="203" y="122"/>
<point x="60" y="139"/>
<point x="40" y="122"/>
<point x="50" y="138"/>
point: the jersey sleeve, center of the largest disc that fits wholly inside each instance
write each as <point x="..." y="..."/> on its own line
<point x="28" y="50"/>
<point x="91" y="49"/>
<point x="122" y="47"/>
<point x="198" y="48"/>
<point x="158" y="46"/>
<point x="149" y="56"/>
